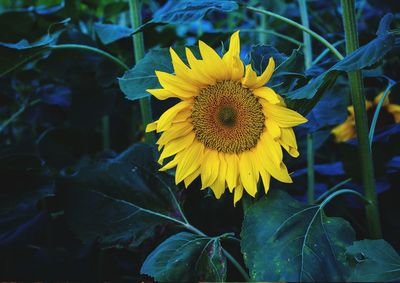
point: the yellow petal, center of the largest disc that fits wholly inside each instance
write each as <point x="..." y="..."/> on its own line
<point x="278" y="171"/>
<point x="189" y="179"/>
<point x="247" y="174"/>
<point x="172" y="163"/>
<point x="379" y="97"/>
<point x="272" y="147"/>
<point x="183" y="115"/>
<point x="266" y="75"/>
<point x="209" y="168"/>
<point x="213" y="64"/>
<point x="191" y="160"/>
<point x="345" y="131"/>
<point x="266" y="178"/>
<point x="232" y="170"/>
<point x="178" y="86"/>
<point x="394" y="109"/>
<point x="166" y="118"/>
<point x="288" y="141"/>
<point x="197" y="66"/>
<point x="219" y="185"/>
<point x="232" y="60"/>
<point x="176" y="130"/>
<point x="237" y="194"/>
<point x="151" y="127"/>
<point x="250" y="78"/>
<point x="161" y="93"/>
<point x="285" y="117"/>
<point x="273" y="129"/>
<point x="176" y="145"/>
<point x="268" y="94"/>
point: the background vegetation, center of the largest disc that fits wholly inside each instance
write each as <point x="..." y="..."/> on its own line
<point x="80" y="193"/>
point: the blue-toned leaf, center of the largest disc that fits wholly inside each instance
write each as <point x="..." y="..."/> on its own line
<point x="361" y="58"/>
<point x="375" y="261"/>
<point x="142" y="76"/>
<point x="109" y="33"/>
<point x="285" y="240"/>
<point x="186" y="257"/>
<point x="121" y="200"/>
<point x="187" y="11"/>
<point x="13" y="55"/>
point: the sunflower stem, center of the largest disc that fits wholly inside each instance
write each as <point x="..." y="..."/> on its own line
<point x="307" y="47"/>
<point x="301" y="27"/>
<point x="138" y="49"/>
<point x="358" y="99"/>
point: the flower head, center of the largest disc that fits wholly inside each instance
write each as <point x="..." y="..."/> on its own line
<point x="228" y="128"/>
<point x="390" y="113"/>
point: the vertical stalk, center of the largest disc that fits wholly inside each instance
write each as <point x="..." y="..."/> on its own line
<point x="358" y="99"/>
<point x="310" y="169"/>
<point x="262" y="36"/>
<point x="307" y="48"/>
<point x="105" y="123"/>
<point x="138" y="49"/>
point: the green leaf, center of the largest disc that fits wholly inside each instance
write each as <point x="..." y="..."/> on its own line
<point x="186" y="11"/>
<point x="285" y="240"/>
<point x="13" y="55"/>
<point x="376" y="261"/>
<point x="187" y="257"/>
<point x="307" y="96"/>
<point x="142" y="76"/>
<point x="120" y="200"/>
<point x="109" y="33"/>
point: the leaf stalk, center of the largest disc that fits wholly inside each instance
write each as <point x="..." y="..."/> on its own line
<point x="358" y="99"/>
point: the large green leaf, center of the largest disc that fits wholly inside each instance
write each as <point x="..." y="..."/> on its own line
<point x="13" y="55"/>
<point x="142" y="76"/>
<point x="109" y="33"/>
<point x="307" y="96"/>
<point x="187" y="257"/>
<point x="285" y="240"/>
<point x="376" y="261"/>
<point x="187" y="11"/>
<point x="121" y="200"/>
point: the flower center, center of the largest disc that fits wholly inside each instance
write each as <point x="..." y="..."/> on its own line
<point x="227" y="117"/>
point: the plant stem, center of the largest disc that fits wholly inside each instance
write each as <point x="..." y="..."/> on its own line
<point x="262" y="37"/>
<point x="267" y="31"/>
<point x="310" y="169"/>
<point x="299" y="26"/>
<point x="90" y="49"/>
<point x="307" y="47"/>
<point x="138" y="49"/>
<point x="105" y="124"/>
<point x="16" y="114"/>
<point x="237" y="265"/>
<point x="226" y="253"/>
<point x="358" y="99"/>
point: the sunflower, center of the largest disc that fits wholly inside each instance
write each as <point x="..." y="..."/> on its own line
<point x="389" y="114"/>
<point x="228" y="128"/>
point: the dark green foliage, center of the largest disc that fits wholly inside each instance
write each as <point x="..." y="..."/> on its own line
<point x="110" y="33"/>
<point x="374" y="261"/>
<point x="135" y="82"/>
<point x="119" y="201"/>
<point x="285" y="240"/>
<point x="181" y="12"/>
<point x="362" y="58"/>
<point x="187" y="257"/>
